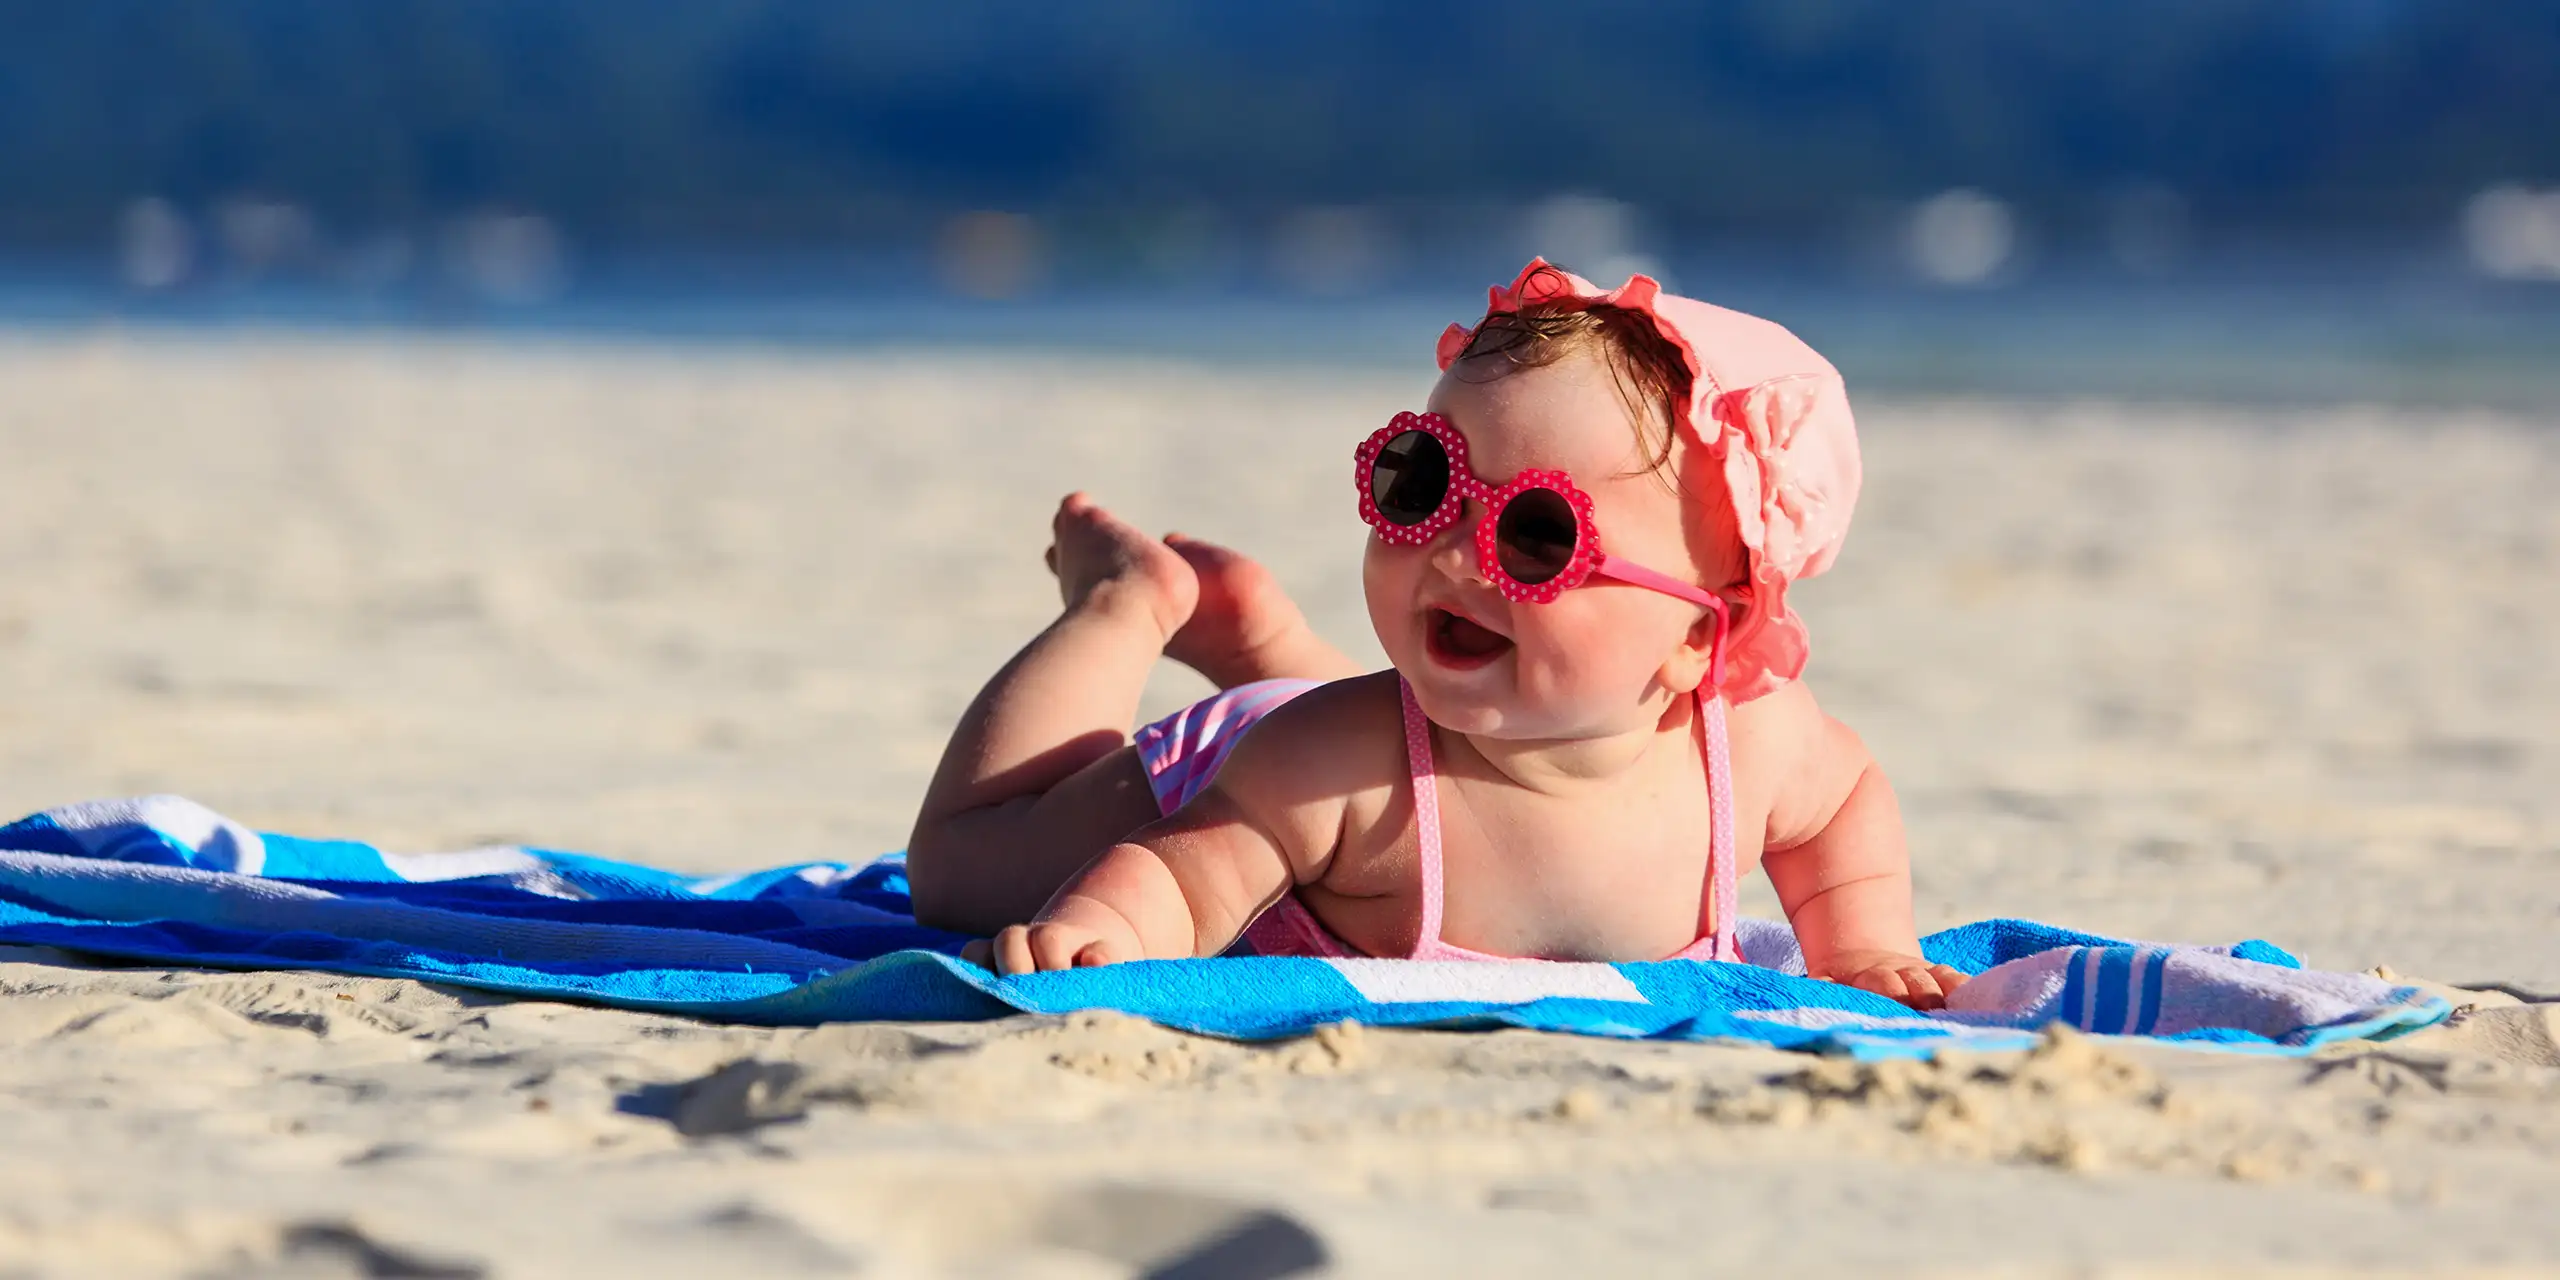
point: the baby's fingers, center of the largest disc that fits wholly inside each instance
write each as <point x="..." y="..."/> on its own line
<point x="1055" y="948"/>
<point x="1012" y="950"/>
<point x="1883" y="982"/>
<point x="1097" y="953"/>
<point x="1921" y="989"/>
<point x="981" y="953"/>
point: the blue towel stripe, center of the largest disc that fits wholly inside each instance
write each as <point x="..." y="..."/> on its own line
<point x="2073" y="1007"/>
<point x="2155" y="972"/>
<point x="2115" y="967"/>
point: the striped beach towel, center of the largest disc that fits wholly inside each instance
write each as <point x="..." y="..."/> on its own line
<point x="165" y="880"/>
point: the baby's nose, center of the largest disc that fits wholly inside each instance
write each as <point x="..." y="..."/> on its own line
<point x="1453" y="550"/>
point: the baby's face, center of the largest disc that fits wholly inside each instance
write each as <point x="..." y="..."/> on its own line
<point x="1597" y="660"/>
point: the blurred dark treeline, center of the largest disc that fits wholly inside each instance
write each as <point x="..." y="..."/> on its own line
<point x="798" y="121"/>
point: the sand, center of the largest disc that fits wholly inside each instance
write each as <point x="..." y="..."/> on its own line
<point x="2170" y="671"/>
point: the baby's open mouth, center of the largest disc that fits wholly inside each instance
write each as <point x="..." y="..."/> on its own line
<point x="1457" y="642"/>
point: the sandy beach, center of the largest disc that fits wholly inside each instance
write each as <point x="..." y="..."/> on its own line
<point x="2169" y="671"/>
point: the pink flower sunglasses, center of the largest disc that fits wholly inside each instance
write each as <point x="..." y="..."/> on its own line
<point x="1536" y="540"/>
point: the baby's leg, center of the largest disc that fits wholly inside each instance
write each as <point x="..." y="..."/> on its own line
<point x="1245" y="627"/>
<point x="1039" y="776"/>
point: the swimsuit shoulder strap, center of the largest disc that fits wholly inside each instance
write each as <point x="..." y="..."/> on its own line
<point x="1722" y="874"/>
<point x="1426" y="810"/>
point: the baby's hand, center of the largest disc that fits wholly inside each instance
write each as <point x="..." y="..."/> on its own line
<point x="1075" y="940"/>
<point x="1909" y="979"/>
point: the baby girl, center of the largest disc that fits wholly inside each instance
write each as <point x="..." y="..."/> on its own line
<point x="1578" y="568"/>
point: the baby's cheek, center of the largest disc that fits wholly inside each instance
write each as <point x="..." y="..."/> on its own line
<point x="1552" y="654"/>
<point x="1600" y="654"/>
<point x="1387" y="583"/>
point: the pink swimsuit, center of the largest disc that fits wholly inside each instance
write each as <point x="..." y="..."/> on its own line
<point x="1183" y="751"/>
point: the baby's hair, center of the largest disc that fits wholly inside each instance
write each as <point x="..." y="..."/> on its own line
<point x="1653" y="380"/>
<point x="1651" y="372"/>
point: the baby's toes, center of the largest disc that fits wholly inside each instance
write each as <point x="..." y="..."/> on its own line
<point x="1072" y="508"/>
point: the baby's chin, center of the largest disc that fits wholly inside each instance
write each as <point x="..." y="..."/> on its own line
<point x="1501" y="720"/>
<point x="1485" y="701"/>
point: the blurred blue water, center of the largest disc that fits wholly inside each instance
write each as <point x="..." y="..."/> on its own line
<point x="2405" y="326"/>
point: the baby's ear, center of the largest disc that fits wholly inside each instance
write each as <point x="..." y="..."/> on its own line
<point x="1687" y="667"/>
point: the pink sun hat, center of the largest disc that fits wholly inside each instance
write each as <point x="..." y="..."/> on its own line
<point x="1774" y="415"/>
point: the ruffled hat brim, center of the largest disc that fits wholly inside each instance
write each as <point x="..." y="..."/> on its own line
<point x="1773" y="415"/>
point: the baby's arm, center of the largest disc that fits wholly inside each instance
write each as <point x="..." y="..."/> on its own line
<point x="1835" y="854"/>
<point x="1187" y="884"/>
<point x="1179" y="887"/>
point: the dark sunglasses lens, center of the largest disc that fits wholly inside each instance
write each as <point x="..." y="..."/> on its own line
<point x="1535" y="535"/>
<point x="1410" y="478"/>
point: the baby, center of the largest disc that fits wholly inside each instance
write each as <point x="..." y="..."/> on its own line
<point x="1578" y="568"/>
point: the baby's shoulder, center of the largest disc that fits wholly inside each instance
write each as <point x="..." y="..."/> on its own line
<point x="1786" y="737"/>
<point x="1319" y="768"/>
<point x="1793" y="756"/>
<point x="1784" y="717"/>
<point x="1337" y="738"/>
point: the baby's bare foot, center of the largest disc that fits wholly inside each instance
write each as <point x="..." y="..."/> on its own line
<point x="1106" y="565"/>
<point x="1245" y="628"/>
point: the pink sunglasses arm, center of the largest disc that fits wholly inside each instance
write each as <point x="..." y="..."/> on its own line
<point x="1637" y="575"/>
